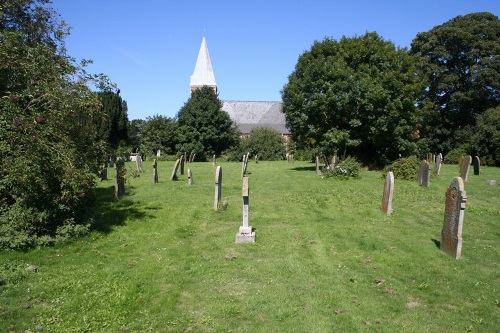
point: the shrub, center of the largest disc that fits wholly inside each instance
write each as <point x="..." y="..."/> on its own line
<point x="345" y="169"/>
<point x="403" y="168"/>
<point x="453" y="156"/>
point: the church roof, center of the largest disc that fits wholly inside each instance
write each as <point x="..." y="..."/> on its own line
<point x="203" y="74"/>
<point x="252" y="114"/>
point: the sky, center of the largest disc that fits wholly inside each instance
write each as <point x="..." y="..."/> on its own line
<point x="149" y="48"/>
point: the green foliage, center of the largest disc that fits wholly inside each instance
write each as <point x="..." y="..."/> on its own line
<point x="12" y="272"/>
<point x="203" y="127"/>
<point x="265" y="142"/>
<point x="454" y="155"/>
<point x="113" y="127"/>
<point x="349" y="167"/>
<point x="461" y="61"/>
<point x="159" y="132"/>
<point x="48" y="151"/>
<point x="357" y="96"/>
<point x="403" y="168"/>
<point x="485" y="140"/>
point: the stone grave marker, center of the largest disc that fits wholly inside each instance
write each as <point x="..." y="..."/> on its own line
<point x="245" y="233"/>
<point x="246" y="161"/>
<point x="388" y="192"/>
<point x="476" y="162"/>
<point x="423" y="176"/>
<point x="190" y="177"/>
<point x="173" y="176"/>
<point x="439" y="161"/>
<point x="491" y="182"/>
<point x="218" y="187"/>
<point x="460" y="163"/>
<point x="103" y="174"/>
<point x="451" y="234"/>
<point x="464" y="170"/>
<point x="120" y="179"/>
<point x="138" y="162"/>
<point x="182" y="159"/>
<point x="243" y="166"/>
<point x="158" y="153"/>
<point x="214" y="161"/>
<point x="155" y="171"/>
<point x="192" y="158"/>
<point x="111" y="162"/>
<point x="317" y="165"/>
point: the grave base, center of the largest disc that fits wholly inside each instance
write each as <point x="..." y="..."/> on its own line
<point x="245" y="235"/>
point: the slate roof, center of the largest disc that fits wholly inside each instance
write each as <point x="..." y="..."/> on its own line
<point x="203" y="74"/>
<point x="251" y="114"/>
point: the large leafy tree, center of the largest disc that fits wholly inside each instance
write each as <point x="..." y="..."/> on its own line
<point x="355" y="96"/>
<point x="461" y="60"/>
<point x="204" y="128"/>
<point x="48" y="152"/>
<point x="159" y="133"/>
<point x="265" y="142"/>
<point x="113" y="127"/>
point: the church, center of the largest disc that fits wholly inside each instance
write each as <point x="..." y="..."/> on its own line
<point x="246" y="114"/>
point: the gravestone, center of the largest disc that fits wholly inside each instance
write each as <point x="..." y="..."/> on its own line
<point x="192" y="158"/>
<point x="245" y="233"/>
<point x="182" y="158"/>
<point x="464" y="170"/>
<point x="111" y="162"/>
<point x="491" y="182"/>
<point x="246" y="161"/>
<point x="424" y="176"/>
<point x="155" y="171"/>
<point x="158" y="153"/>
<point x="460" y="163"/>
<point x="138" y="162"/>
<point x="243" y="169"/>
<point x="334" y="161"/>
<point x="218" y="187"/>
<point x="190" y="177"/>
<point x="317" y="165"/>
<point x="214" y="161"/>
<point x="103" y="174"/>
<point x="477" y="165"/>
<point x="451" y="234"/>
<point x="173" y="176"/>
<point x="388" y="192"/>
<point x="439" y="161"/>
<point x="256" y="158"/>
<point x="120" y="179"/>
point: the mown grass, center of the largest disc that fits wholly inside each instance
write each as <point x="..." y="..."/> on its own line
<point x="326" y="259"/>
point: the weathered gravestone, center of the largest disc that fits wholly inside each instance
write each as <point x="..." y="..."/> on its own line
<point x="218" y="187"/>
<point x="464" y="170"/>
<point x="439" y="161"/>
<point x="424" y="174"/>
<point x="155" y="171"/>
<point x="138" y="162"/>
<point x="192" y="158"/>
<point x="214" y="161"/>
<point x="388" y="192"/>
<point x="120" y="179"/>
<point x="491" y="182"/>
<point x="103" y="174"/>
<point x="317" y="165"/>
<point x="158" y="153"/>
<point x="190" y="177"/>
<point x="173" y="176"/>
<point x="245" y="233"/>
<point x="451" y="235"/>
<point x="182" y="159"/>
<point x="477" y="165"/>
<point x="243" y="166"/>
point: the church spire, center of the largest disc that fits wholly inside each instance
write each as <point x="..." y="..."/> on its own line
<point x="203" y="74"/>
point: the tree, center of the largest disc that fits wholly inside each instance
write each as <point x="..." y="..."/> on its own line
<point x="159" y="133"/>
<point x="485" y="139"/>
<point x="354" y="96"/>
<point x="135" y="133"/>
<point x="48" y="152"/>
<point x="113" y="127"/>
<point x="203" y="127"/>
<point x="265" y="142"/>
<point x="461" y="60"/>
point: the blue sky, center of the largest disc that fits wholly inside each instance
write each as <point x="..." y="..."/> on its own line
<point x="149" y="48"/>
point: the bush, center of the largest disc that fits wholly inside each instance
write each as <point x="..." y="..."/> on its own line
<point x="403" y="168"/>
<point x="345" y="169"/>
<point x="453" y="157"/>
<point x="265" y="142"/>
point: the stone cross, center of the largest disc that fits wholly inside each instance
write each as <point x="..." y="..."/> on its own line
<point x="120" y="179"/>
<point x="477" y="165"/>
<point x="173" y="176"/>
<point x="439" y="161"/>
<point x="464" y="170"/>
<point x="451" y="234"/>
<point x="138" y="162"/>
<point x="218" y="187"/>
<point x="388" y="192"/>
<point x="245" y="233"/>
<point x="155" y="171"/>
<point x="190" y="177"/>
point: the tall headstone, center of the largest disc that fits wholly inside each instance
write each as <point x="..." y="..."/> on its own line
<point x="317" y="165"/>
<point x="214" y="161"/>
<point x="245" y="233"/>
<point x="218" y="187"/>
<point x="103" y="174"/>
<point x="464" y="170"/>
<point x="182" y="158"/>
<point x="192" y="158"/>
<point x="451" y="234"/>
<point x="476" y="162"/>
<point x="388" y="192"/>
<point x="138" y="162"/>
<point x="120" y="178"/>
<point x="190" y="177"/>
<point x="155" y="171"/>
<point x="158" y="153"/>
<point x="243" y="169"/>
<point x="173" y="176"/>
<point x="439" y="161"/>
<point x="424" y="176"/>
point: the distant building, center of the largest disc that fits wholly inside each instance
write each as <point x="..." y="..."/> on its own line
<point x="246" y="114"/>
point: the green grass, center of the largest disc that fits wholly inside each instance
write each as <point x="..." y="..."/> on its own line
<point x="326" y="258"/>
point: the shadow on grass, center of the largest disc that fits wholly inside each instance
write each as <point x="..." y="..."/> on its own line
<point x="437" y="243"/>
<point x="110" y="212"/>
<point x="308" y="168"/>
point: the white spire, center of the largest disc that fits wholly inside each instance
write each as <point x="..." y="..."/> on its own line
<point x="203" y="74"/>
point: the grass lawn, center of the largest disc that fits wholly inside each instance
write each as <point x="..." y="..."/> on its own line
<point x="326" y="258"/>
